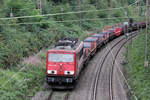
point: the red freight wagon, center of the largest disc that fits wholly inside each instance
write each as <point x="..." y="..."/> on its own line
<point x="112" y="33"/>
<point x="100" y="38"/>
<point x="142" y="24"/>
<point x="87" y="55"/>
<point x="106" y="35"/>
<point x="93" y="42"/>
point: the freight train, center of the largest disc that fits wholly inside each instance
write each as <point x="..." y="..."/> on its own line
<point x="66" y="59"/>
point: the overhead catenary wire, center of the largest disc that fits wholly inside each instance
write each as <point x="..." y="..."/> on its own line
<point x="22" y="9"/>
<point x="65" y="21"/>
<point x="59" y="14"/>
<point x="54" y="5"/>
<point x="88" y="4"/>
<point x="44" y="15"/>
<point x="146" y="34"/>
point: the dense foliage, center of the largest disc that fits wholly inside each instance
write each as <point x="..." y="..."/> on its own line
<point x="21" y="85"/>
<point x="19" y="39"/>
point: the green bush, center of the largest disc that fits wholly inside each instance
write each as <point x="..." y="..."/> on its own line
<point x="14" y="49"/>
<point x="117" y="13"/>
<point x="137" y="74"/>
<point x="102" y="15"/>
<point x="19" y="87"/>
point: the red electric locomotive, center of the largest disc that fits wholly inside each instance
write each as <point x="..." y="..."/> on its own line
<point x="64" y="63"/>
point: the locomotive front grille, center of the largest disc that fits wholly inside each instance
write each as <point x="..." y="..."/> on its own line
<point x="59" y="79"/>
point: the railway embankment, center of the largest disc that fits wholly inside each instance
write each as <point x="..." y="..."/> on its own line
<point x="23" y="81"/>
<point x="138" y="76"/>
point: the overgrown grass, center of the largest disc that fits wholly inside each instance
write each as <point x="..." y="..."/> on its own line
<point x="138" y="75"/>
<point x="21" y="83"/>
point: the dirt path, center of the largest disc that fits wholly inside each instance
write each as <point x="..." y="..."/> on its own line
<point x="34" y="59"/>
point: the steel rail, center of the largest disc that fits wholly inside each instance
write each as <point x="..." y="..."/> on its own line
<point x="114" y="59"/>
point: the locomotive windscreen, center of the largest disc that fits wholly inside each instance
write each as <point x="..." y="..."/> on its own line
<point x="87" y="44"/>
<point x="53" y="57"/>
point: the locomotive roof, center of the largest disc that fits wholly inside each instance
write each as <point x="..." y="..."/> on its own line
<point x="142" y="22"/>
<point x="90" y="39"/>
<point x="112" y="29"/>
<point x="68" y="47"/>
<point x="105" y="32"/>
<point x="98" y="35"/>
<point x="117" y="27"/>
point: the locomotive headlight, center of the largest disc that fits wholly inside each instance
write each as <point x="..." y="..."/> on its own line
<point x="51" y="71"/>
<point x="68" y="72"/>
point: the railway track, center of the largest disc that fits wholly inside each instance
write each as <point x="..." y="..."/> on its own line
<point x="58" y="95"/>
<point x="64" y="95"/>
<point x="100" y="64"/>
<point x="113" y="65"/>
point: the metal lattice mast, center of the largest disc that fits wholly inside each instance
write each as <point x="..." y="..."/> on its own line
<point x="146" y="42"/>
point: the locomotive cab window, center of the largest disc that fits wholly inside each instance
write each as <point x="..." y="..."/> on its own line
<point x="61" y="57"/>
